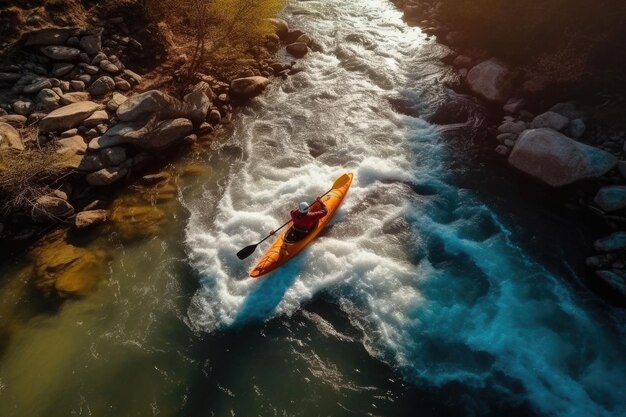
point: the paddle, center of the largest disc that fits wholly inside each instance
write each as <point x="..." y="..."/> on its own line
<point x="249" y="250"/>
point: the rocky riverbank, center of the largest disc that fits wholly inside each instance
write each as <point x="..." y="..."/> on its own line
<point x="89" y="110"/>
<point x="560" y="144"/>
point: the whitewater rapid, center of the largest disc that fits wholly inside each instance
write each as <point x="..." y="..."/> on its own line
<point x="429" y="271"/>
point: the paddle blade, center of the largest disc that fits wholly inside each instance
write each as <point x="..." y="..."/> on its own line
<point x="247" y="251"/>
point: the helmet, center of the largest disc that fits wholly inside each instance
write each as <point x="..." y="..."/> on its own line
<point x="303" y="207"/>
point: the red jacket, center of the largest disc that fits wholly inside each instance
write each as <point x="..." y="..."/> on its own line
<point x="306" y="221"/>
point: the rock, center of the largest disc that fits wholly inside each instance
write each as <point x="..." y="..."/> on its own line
<point x="153" y="179"/>
<point x="611" y="198"/>
<point x="101" y="86"/>
<point x="514" y="105"/>
<point x="61" y="69"/>
<point x="91" y="69"/>
<point x="100" y="116"/>
<point x="113" y="156"/>
<point x="304" y="39"/>
<point x="60" y="53"/>
<point x="51" y="209"/>
<point x="91" y="44"/>
<point x="75" y="97"/>
<point x="74" y="145"/>
<point x="91" y="163"/>
<point x="16" y="120"/>
<point x="503" y="137"/>
<point x="577" y="128"/>
<point x="54" y="36"/>
<point x="116" y="101"/>
<point x="64" y="269"/>
<point x="614" y="242"/>
<point x="90" y="218"/>
<point x="106" y="176"/>
<point x="512" y="127"/>
<point x="98" y="59"/>
<point x="108" y="66"/>
<point x="121" y="133"/>
<point x="47" y="100"/>
<point x="37" y="85"/>
<point x="281" y="27"/>
<point x="502" y="150"/>
<point x="150" y="103"/>
<point x="85" y="79"/>
<point x="198" y="105"/>
<point x="550" y="120"/>
<point x="205" y="129"/>
<point x="215" y="117"/>
<point x="7" y="77"/>
<point x="23" y="107"/>
<point x="69" y="133"/>
<point x="293" y="35"/>
<point x="10" y="138"/>
<point x="298" y="49"/>
<point x="166" y="133"/>
<point x="613" y="280"/>
<point x="136" y="78"/>
<point x="67" y="117"/>
<point x="491" y="80"/>
<point x="249" y="87"/>
<point x="462" y="61"/>
<point x="123" y="85"/>
<point x="558" y="160"/>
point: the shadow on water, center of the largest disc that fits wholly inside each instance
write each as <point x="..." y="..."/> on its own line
<point x="263" y="300"/>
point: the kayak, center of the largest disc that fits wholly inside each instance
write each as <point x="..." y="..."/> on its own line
<point x="283" y="249"/>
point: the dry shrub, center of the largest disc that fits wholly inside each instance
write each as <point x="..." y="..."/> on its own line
<point x="27" y="175"/>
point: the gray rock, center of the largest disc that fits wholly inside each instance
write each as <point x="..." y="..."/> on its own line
<point x="491" y="80"/>
<point x="166" y="133"/>
<point x="99" y="58"/>
<point x="512" y="127"/>
<point x="37" y="85"/>
<point x="106" y="176"/>
<point x="121" y="133"/>
<point x="550" y="120"/>
<point x="248" y="87"/>
<point x="613" y="242"/>
<point x="23" y="107"/>
<point x="116" y="101"/>
<point x="85" y="78"/>
<point x="91" y="44"/>
<point x="297" y="49"/>
<point x="502" y="150"/>
<point x="108" y="66"/>
<point x="102" y="86"/>
<point x="90" y="218"/>
<point x="60" y="53"/>
<point x="558" y="160"/>
<point x="113" y="156"/>
<point x="577" y="128"/>
<point x="198" y="105"/>
<point x="10" y="138"/>
<point x="215" y="117"/>
<point x="73" y="42"/>
<point x="151" y="103"/>
<point x="61" y="69"/>
<point x="611" y="198"/>
<point x="50" y="36"/>
<point x="9" y="77"/>
<point x="90" y="69"/>
<point x="67" y="117"/>
<point x="123" y="85"/>
<point x="503" y="137"/>
<point x="77" y="85"/>
<point x="98" y="117"/>
<point x="514" y="105"/>
<point x="47" y="100"/>
<point x="50" y="209"/>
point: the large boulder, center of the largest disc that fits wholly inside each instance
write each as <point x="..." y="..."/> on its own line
<point x="558" y="160"/>
<point x="550" y="120"/>
<point x="611" y="198"/>
<point x="10" y="138"/>
<point x="166" y="133"/>
<point x="297" y="49"/>
<point x="67" y="117"/>
<point x="198" y="105"/>
<point x="281" y="27"/>
<point x="49" y="208"/>
<point x="491" y="80"/>
<point x="150" y="103"/>
<point x="248" y="87"/>
<point x="49" y="36"/>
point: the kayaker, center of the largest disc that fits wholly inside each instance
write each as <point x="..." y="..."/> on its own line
<point x="304" y="220"/>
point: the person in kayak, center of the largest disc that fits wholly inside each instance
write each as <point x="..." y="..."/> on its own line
<point x="305" y="220"/>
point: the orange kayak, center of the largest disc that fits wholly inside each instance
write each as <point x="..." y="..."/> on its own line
<point x="283" y="250"/>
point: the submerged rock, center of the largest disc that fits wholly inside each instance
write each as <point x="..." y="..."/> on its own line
<point x="558" y="160"/>
<point x="136" y="221"/>
<point x="611" y="198"/>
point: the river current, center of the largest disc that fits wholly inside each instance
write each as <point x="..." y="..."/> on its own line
<point x="421" y="298"/>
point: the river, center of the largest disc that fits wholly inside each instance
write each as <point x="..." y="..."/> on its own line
<point x="442" y="288"/>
